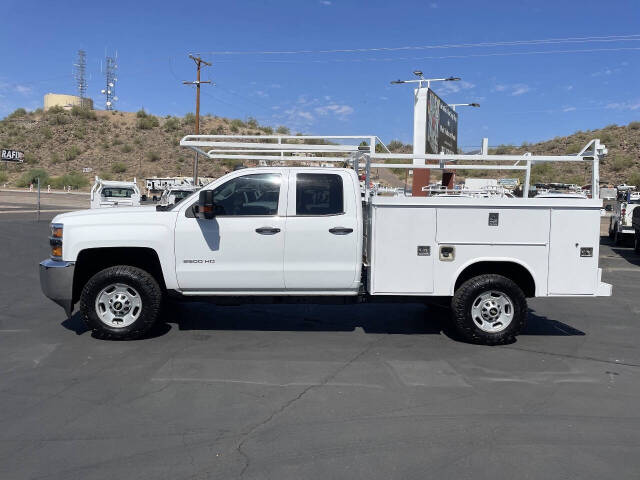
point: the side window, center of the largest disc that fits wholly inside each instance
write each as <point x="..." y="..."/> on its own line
<point x="319" y="194"/>
<point x="248" y="195"/>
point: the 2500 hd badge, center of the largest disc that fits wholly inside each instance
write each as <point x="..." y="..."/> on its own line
<point x="199" y="261"/>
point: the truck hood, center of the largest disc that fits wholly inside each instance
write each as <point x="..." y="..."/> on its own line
<point x="125" y="214"/>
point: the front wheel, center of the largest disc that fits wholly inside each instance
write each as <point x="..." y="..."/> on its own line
<point x="489" y="309"/>
<point x="636" y="242"/>
<point x="121" y="302"/>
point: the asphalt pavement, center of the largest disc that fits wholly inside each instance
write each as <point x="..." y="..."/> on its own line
<point x="316" y="392"/>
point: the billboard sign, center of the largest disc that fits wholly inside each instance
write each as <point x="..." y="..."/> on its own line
<point x="12" y="156"/>
<point x="442" y="126"/>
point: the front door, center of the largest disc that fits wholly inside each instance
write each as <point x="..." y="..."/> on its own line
<point x="242" y="248"/>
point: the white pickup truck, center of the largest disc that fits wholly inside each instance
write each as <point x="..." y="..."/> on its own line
<point x="304" y="234"/>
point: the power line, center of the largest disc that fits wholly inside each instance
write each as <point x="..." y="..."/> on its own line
<point x="198" y="61"/>
<point x="445" y="57"/>
<point x="592" y="39"/>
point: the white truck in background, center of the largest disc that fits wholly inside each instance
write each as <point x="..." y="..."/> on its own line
<point x="173" y="195"/>
<point x="304" y="234"/>
<point x="112" y="193"/>
<point x="621" y="221"/>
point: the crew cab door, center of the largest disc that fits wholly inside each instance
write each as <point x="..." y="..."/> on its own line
<point x="323" y="234"/>
<point x="242" y="248"/>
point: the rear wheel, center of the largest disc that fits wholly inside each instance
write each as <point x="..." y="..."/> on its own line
<point x="489" y="309"/>
<point x="121" y="302"/>
<point x="617" y="237"/>
<point x="636" y="242"/>
<point x="610" y="229"/>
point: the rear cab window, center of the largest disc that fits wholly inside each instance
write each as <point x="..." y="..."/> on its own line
<point x="319" y="194"/>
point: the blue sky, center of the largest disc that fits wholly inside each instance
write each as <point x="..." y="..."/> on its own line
<point x="525" y="96"/>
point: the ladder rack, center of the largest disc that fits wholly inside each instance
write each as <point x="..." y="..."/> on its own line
<point x="359" y="151"/>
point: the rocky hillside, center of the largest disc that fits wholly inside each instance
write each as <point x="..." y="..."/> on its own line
<point x="59" y="144"/>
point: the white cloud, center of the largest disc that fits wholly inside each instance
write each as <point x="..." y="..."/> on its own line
<point x="454" y="87"/>
<point x="568" y="109"/>
<point x="568" y="88"/>
<point x="338" y="110"/>
<point x="433" y="5"/>
<point x="500" y="88"/>
<point x="325" y="3"/>
<point x="520" y="89"/>
<point x="632" y="105"/>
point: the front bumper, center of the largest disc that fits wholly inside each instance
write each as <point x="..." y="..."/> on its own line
<point x="56" y="281"/>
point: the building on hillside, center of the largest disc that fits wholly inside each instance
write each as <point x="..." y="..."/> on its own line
<point x="66" y="101"/>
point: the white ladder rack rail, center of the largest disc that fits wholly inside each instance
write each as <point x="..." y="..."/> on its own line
<point x="237" y="147"/>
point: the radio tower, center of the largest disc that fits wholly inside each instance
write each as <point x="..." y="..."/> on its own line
<point x="80" y="75"/>
<point x="109" y="91"/>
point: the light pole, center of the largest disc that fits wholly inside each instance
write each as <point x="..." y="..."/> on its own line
<point x="421" y="176"/>
<point x="454" y="105"/>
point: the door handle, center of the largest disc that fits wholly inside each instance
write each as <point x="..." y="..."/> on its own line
<point x="340" y="230"/>
<point x="267" y="230"/>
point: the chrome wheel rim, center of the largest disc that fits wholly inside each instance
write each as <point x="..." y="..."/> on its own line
<point x="492" y="311"/>
<point x="118" y="305"/>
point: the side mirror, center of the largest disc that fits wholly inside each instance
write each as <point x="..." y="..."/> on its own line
<point x="205" y="205"/>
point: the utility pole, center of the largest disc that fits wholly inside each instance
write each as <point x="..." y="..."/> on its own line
<point x="197" y="83"/>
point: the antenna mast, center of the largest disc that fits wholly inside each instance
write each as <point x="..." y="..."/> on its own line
<point x="80" y="76"/>
<point x="111" y="65"/>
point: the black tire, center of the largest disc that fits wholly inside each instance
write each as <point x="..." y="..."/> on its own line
<point x="636" y="242"/>
<point x="617" y="238"/>
<point x="140" y="280"/>
<point x="469" y="291"/>
<point x="610" y="229"/>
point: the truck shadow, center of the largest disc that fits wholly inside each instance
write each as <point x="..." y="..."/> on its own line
<point x="407" y="319"/>
<point x="624" y="250"/>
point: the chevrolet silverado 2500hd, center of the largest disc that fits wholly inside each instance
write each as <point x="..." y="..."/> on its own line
<point x="305" y="234"/>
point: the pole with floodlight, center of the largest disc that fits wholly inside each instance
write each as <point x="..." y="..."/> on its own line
<point x="421" y="176"/>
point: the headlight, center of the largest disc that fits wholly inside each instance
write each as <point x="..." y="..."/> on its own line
<point x="55" y="240"/>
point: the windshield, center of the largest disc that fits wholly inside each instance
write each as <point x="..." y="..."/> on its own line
<point x="117" y="192"/>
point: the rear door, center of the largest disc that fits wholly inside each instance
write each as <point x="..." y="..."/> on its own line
<point x="323" y="237"/>
<point x="242" y="248"/>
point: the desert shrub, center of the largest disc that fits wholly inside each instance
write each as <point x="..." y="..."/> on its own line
<point x="574" y="147"/>
<point x="18" y="113"/>
<point x="73" y="179"/>
<point x="621" y="162"/>
<point x="395" y="145"/>
<point x="55" y="158"/>
<point x="84" y="113"/>
<point x="126" y="148"/>
<point x="236" y="122"/>
<point x="56" y="109"/>
<point x="46" y="133"/>
<point x="80" y="133"/>
<point x="30" y="159"/>
<point x="153" y="156"/>
<point x="234" y="128"/>
<point x="58" y="119"/>
<point x="105" y="175"/>
<point x="189" y="119"/>
<point x="171" y="124"/>
<point x="282" y="130"/>
<point x="147" y="122"/>
<point x="141" y="113"/>
<point x="116" y="141"/>
<point x="72" y="153"/>
<point x="252" y="122"/>
<point x="3" y="176"/>
<point x="634" y="126"/>
<point x="634" y="178"/>
<point x="32" y="176"/>
<point x="137" y="141"/>
<point x="118" y="167"/>
<point x="267" y="130"/>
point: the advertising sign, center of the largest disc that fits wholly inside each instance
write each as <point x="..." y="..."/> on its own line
<point x="12" y="156"/>
<point x="442" y="126"/>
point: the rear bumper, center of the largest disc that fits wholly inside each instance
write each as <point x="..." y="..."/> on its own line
<point x="56" y="281"/>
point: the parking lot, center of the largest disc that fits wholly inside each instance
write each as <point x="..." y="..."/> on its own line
<point x="367" y="391"/>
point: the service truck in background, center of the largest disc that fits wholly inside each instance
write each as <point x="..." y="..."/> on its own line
<point x="305" y="234"/>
